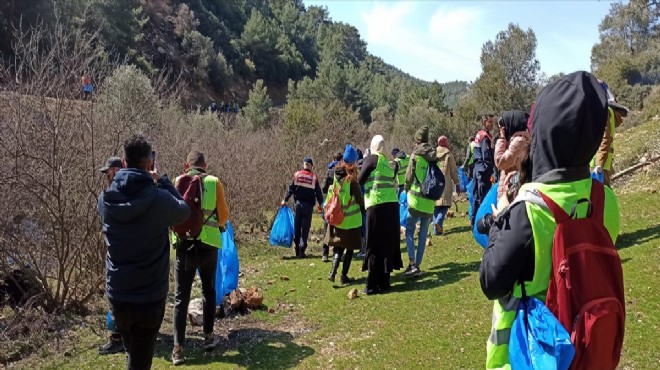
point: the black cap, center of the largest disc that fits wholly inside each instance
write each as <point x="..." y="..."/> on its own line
<point x="112" y="162"/>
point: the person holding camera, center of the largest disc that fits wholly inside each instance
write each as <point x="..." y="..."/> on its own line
<point x="198" y="252"/>
<point x="136" y="212"/>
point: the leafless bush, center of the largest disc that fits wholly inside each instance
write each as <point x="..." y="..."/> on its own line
<point x="48" y="222"/>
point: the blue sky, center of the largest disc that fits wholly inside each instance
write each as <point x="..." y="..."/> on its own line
<point x="441" y="40"/>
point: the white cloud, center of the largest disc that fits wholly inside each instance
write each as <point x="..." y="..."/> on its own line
<point x="443" y="45"/>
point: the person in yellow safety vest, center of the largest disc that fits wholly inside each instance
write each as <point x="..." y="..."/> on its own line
<point x="346" y="236"/>
<point x="602" y="161"/>
<point x="382" y="251"/>
<point x="199" y="254"/>
<point x="402" y="160"/>
<point x="420" y="209"/>
<point x="566" y="134"/>
<point x="468" y="164"/>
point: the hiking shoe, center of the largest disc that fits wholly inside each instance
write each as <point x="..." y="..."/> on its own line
<point x="360" y="255"/>
<point x="113" y="346"/>
<point x="438" y="230"/>
<point x="325" y="258"/>
<point x="177" y="355"/>
<point x="343" y="280"/>
<point x="410" y="269"/>
<point x="417" y="272"/>
<point x="210" y="342"/>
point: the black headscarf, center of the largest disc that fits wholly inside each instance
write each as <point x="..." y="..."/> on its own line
<point x="568" y="126"/>
<point x="514" y="121"/>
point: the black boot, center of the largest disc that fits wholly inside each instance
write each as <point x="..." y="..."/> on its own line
<point x="326" y="252"/>
<point x="372" y="287"/>
<point x="385" y="282"/>
<point x="346" y="265"/>
<point x="335" y="265"/>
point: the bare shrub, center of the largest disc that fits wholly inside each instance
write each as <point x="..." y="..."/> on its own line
<point x="48" y="221"/>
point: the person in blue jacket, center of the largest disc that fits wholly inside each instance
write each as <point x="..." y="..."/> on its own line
<point x="136" y="212"/>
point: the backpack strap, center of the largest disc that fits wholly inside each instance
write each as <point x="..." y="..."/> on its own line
<point x="557" y="212"/>
<point x="597" y="201"/>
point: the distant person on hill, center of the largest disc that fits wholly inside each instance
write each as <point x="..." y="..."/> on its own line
<point x="601" y="164"/>
<point x="382" y="252"/>
<point x="114" y="344"/>
<point x="327" y="183"/>
<point x="567" y="129"/>
<point x="136" y="212"/>
<point x="86" y="86"/>
<point x="306" y="191"/>
<point x="213" y="108"/>
<point x="347" y="236"/>
<point x="483" y="163"/>
<point x="447" y="165"/>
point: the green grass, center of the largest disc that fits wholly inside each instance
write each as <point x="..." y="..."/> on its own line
<point x="441" y="320"/>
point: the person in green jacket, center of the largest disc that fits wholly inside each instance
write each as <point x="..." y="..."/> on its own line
<point x="567" y="129"/>
<point x="420" y="208"/>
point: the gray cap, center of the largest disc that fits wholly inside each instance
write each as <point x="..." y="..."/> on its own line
<point x="112" y="162"/>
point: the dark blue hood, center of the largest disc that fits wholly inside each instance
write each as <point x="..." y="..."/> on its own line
<point x="130" y="195"/>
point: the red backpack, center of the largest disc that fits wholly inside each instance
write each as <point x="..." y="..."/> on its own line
<point x="333" y="210"/>
<point x="191" y="189"/>
<point x="585" y="292"/>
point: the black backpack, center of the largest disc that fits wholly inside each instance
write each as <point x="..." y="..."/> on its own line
<point x="434" y="184"/>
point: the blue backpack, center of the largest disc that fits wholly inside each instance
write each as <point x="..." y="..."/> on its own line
<point x="434" y="183"/>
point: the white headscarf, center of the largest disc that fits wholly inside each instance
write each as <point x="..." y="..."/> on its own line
<point x="377" y="144"/>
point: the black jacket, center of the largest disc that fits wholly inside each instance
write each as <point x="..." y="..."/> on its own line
<point x="483" y="157"/>
<point x="567" y="129"/>
<point x="136" y="215"/>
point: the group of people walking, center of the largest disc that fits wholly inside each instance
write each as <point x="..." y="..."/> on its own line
<point x="137" y="211"/>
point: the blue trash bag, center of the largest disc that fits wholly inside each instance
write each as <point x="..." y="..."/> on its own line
<point x="282" y="232"/>
<point x="463" y="179"/>
<point x="470" y="194"/>
<point x="538" y="340"/>
<point x="226" y="273"/>
<point x="110" y="321"/>
<point x="484" y="209"/>
<point x="403" y="208"/>
<point x="600" y="177"/>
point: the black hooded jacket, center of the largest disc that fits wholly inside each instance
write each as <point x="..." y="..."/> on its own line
<point x="567" y="127"/>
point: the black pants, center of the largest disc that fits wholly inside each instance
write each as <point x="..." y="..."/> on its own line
<point x="302" y="224"/>
<point x="204" y="258"/>
<point x="345" y="261"/>
<point x="481" y="188"/>
<point x="138" y="324"/>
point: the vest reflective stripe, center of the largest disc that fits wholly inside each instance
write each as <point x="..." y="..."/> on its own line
<point x="403" y="167"/>
<point x="352" y="213"/>
<point x="543" y="229"/>
<point x="305" y="179"/>
<point x="415" y="199"/>
<point x="379" y="187"/>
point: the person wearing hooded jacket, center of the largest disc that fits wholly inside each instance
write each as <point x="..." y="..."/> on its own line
<point x="136" y="212"/>
<point x="447" y="165"/>
<point x="483" y="163"/>
<point x="567" y="130"/>
<point x="382" y="247"/>
<point x="420" y="209"/>
<point x="346" y="236"/>
<point x="327" y="183"/>
<point x="512" y="149"/>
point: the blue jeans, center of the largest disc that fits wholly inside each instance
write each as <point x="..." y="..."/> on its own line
<point x="439" y="214"/>
<point x="411" y="222"/>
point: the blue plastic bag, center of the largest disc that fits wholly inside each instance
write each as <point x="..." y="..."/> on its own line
<point x="463" y="180"/>
<point x="470" y="193"/>
<point x="282" y="232"/>
<point x="226" y="273"/>
<point x="110" y="321"/>
<point x="484" y="209"/>
<point x="403" y="208"/>
<point x="538" y="340"/>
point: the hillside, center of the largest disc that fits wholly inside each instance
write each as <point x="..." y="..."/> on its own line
<point x="218" y="49"/>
